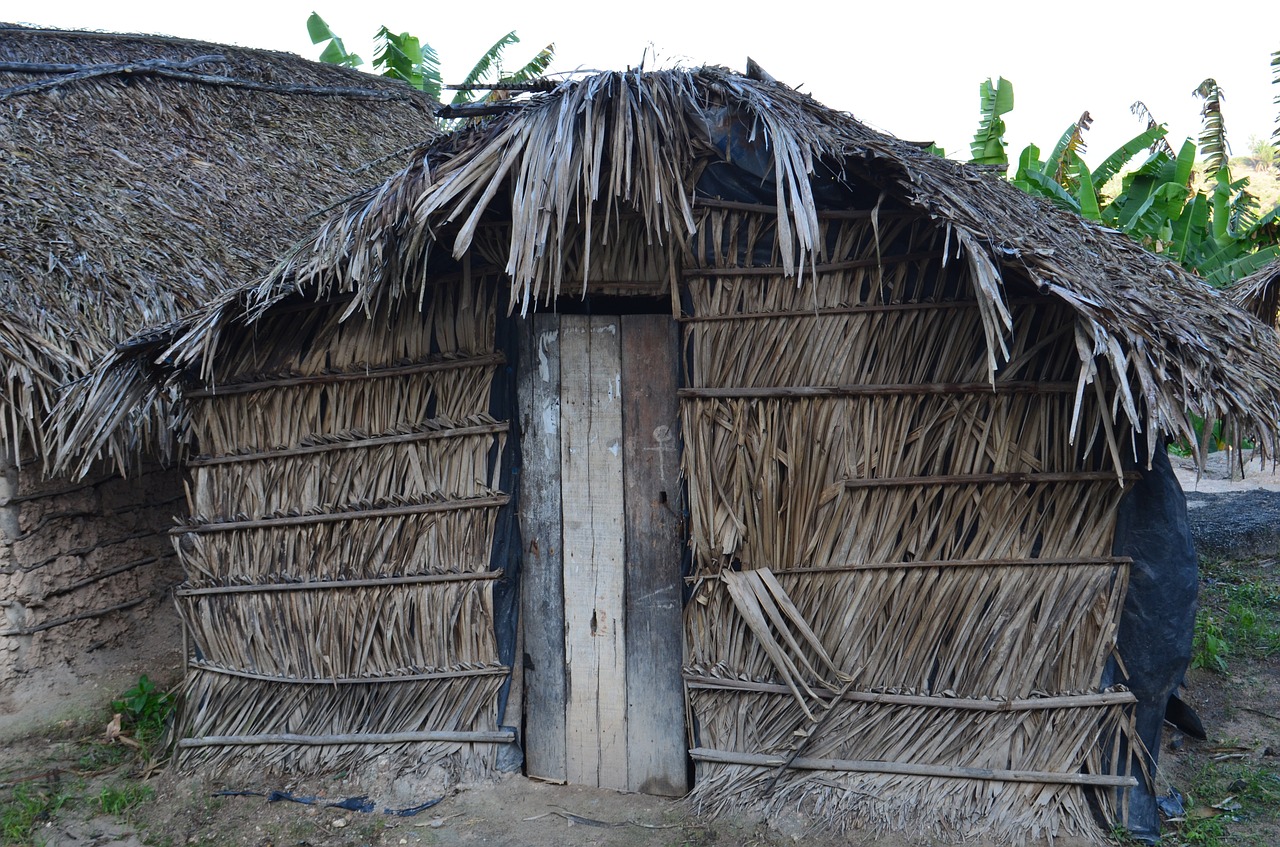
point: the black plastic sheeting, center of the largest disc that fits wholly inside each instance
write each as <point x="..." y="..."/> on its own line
<point x="1158" y="620"/>
<point x="507" y="546"/>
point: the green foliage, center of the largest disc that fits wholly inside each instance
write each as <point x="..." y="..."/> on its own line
<point x="1209" y="649"/>
<point x="1216" y="231"/>
<point x="988" y="146"/>
<point x="25" y="808"/>
<point x="407" y="59"/>
<point x="334" y="53"/>
<point x="1275" y="80"/>
<point x="1263" y="155"/>
<point x="119" y="798"/>
<point x="145" y="708"/>
<point x="1213" y="130"/>
<point x="411" y="60"/>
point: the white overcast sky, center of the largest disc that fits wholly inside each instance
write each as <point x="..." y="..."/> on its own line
<point x="912" y="69"/>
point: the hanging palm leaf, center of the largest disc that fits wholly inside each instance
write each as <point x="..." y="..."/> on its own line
<point x="988" y="142"/>
<point x="1213" y="132"/>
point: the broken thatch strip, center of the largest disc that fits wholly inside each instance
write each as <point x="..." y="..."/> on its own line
<point x="702" y="754"/>
<point x="168" y="189"/>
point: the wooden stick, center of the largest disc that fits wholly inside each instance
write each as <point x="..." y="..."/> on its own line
<point x="349" y="376"/>
<point x="453" y="432"/>
<point x="884" y="389"/>
<point x="703" y="754"/>
<point x="481" y="737"/>
<point x="90" y="580"/>
<point x="823" y="214"/>
<point x="96" y="613"/>
<point x="959" y="563"/>
<point x="333" y="583"/>
<point x="983" y="478"/>
<point x="1029" y="704"/>
<point x="851" y="264"/>
<point x="359" y="680"/>
<point x="333" y="517"/>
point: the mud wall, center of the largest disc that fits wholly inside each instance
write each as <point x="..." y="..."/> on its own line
<point x="86" y="572"/>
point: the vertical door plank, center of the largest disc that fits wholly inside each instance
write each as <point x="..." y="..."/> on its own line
<point x="656" y="748"/>
<point x="542" y="583"/>
<point x="592" y="507"/>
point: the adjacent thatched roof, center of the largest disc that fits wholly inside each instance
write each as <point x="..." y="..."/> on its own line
<point x="145" y="175"/>
<point x="639" y="141"/>
<point x="1259" y="293"/>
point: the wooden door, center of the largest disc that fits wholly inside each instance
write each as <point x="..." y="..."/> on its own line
<point x="602" y="527"/>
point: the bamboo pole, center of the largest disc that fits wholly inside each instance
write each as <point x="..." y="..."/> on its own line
<point x="337" y="517"/>
<point x="350" y="583"/>
<point x="479" y="737"/>
<point x="384" y="372"/>
<point x="702" y="754"/>
<point x="1025" y="704"/>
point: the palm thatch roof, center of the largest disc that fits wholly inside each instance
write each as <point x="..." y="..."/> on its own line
<point x="561" y="169"/>
<point x="1259" y="293"/>
<point x="145" y="175"/>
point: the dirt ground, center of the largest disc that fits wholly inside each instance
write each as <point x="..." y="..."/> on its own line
<point x="1231" y="783"/>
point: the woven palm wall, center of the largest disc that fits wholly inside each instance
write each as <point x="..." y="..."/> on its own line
<point x="338" y="600"/>
<point x="903" y="593"/>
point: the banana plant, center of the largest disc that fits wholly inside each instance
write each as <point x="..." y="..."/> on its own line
<point x="988" y="146"/>
<point x="1216" y="233"/>
<point x="407" y="58"/>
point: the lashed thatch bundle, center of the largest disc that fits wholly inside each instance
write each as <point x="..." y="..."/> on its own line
<point x="910" y="392"/>
<point x="146" y="175"/>
<point x="1259" y="293"/>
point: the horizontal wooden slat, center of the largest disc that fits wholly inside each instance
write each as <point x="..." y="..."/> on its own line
<point x="337" y="583"/>
<point x="990" y="478"/>
<point x="703" y="754"/>
<point x="881" y="389"/>
<point x="384" y="372"/>
<point x="960" y="563"/>
<point x="204" y="667"/>
<point x="823" y="214"/>
<point x="831" y="267"/>
<point x="354" y="515"/>
<point x="1029" y="704"/>
<point x="931" y="306"/>
<point x="355" y="444"/>
<point x="491" y="737"/>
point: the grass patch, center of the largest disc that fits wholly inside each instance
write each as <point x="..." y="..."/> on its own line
<point x="116" y="800"/>
<point x="1222" y="794"/>
<point x="24" y="808"/>
<point x="1239" y="616"/>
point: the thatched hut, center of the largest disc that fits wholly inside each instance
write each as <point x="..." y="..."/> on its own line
<point x="142" y="177"/>
<point x="799" y="450"/>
